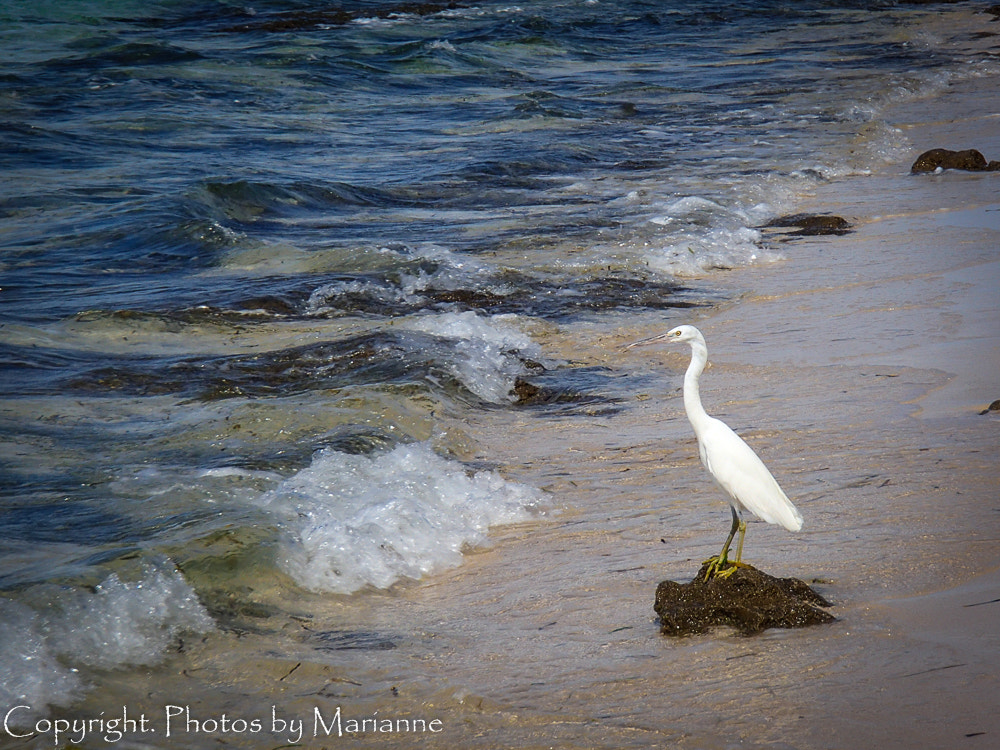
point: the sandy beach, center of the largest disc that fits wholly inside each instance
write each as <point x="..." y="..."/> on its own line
<point x="857" y="367"/>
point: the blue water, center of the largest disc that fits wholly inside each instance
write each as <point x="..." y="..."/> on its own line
<point x="244" y="245"/>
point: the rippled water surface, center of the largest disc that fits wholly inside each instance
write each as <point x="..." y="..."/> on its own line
<point x="261" y="261"/>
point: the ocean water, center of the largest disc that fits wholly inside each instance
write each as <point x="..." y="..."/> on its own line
<point x="259" y="260"/>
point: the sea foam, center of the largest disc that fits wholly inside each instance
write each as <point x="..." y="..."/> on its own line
<point x="693" y="253"/>
<point x="355" y="521"/>
<point x="487" y="354"/>
<point x="49" y="636"/>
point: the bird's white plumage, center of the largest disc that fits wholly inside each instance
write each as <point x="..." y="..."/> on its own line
<point x="744" y="477"/>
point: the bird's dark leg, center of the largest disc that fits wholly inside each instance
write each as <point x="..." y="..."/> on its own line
<point x="722" y="559"/>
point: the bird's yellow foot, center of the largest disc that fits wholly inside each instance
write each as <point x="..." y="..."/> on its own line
<point x="714" y="564"/>
<point x="721" y="567"/>
<point x="728" y="571"/>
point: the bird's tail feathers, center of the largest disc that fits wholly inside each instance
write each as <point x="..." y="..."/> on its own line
<point x="778" y="509"/>
<point x="788" y="516"/>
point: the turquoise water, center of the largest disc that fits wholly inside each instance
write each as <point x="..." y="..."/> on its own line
<point x="255" y="256"/>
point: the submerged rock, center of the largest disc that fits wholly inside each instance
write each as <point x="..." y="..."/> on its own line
<point x="748" y="600"/>
<point x="969" y="160"/>
<point x="525" y="392"/>
<point x="811" y="224"/>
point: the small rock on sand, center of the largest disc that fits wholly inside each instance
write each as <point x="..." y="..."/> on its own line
<point x="969" y="160"/>
<point x="749" y="600"/>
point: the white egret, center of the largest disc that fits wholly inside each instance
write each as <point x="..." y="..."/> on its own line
<point x="730" y="461"/>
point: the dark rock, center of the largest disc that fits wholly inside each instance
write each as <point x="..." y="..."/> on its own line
<point x="969" y="160"/>
<point x="472" y="298"/>
<point x="269" y="304"/>
<point x="995" y="406"/>
<point x="749" y="600"/>
<point x="812" y="224"/>
<point x="529" y="394"/>
<point x="526" y="392"/>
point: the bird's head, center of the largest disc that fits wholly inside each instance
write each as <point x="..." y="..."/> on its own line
<point x="680" y="334"/>
<point x="683" y="334"/>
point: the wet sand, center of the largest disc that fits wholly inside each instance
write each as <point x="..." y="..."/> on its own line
<point x="856" y="367"/>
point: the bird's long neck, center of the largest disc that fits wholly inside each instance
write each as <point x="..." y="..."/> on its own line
<point x="692" y="397"/>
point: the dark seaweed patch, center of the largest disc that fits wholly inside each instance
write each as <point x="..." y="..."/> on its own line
<point x="352" y="640"/>
<point x="128" y="55"/>
<point x="248" y="201"/>
<point x="370" y="359"/>
<point x="356" y="440"/>
<point x="513" y="293"/>
<point x="568" y="390"/>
